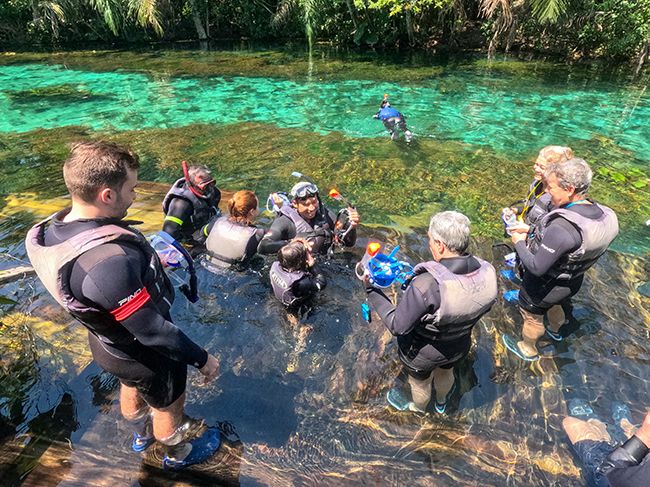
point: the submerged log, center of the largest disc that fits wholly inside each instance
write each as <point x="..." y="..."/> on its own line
<point x="22" y="271"/>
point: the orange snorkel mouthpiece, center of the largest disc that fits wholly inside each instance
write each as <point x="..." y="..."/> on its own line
<point x="373" y="248"/>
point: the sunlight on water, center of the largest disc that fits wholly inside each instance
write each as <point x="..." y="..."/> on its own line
<point x="307" y="398"/>
<point x="501" y="112"/>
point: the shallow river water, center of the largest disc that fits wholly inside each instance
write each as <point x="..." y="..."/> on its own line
<point x="306" y="400"/>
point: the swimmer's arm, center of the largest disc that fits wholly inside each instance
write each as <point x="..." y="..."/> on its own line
<point x="108" y="283"/>
<point x="559" y="239"/>
<point x="628" y="465"/>
<point x="278" y="236"/>
<point x="403" y="318"/>
<point x="179" y="212"/>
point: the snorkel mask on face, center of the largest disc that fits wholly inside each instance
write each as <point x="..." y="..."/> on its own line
<point x="302" y="190"/>
<point x="200" y="188"/>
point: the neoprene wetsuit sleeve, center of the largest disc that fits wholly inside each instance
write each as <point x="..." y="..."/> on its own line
<point x="253" y="242"/>
<point x="403" y="318"/>
<point x="110" y="280"/>
<point x="624" y="469"/>
<point x="281" y="232"/>
<point x="560" y="238"/>
<point x="178" y="213"/>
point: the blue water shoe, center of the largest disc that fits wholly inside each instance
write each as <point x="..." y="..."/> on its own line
<point x="203" y="448"/>
<point x="511" y="296"/>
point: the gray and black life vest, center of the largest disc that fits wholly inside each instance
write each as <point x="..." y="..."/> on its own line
<point x="464" y="298"/>
<point x="597" y="234"/>
<point x="538" y="206"/>
<point x="53" y="266"/>
<point x="228" y="241"/>
<point x="203" y="209"/>
<point x="320" y="234"/>
<point x="282" y="281"/>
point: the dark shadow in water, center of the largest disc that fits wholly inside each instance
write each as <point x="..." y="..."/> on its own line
<point x="262" y="406"/>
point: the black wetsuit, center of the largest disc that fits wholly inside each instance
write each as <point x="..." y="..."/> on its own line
<point x="183" y="210"/>
<point x="153" y="353"/>
<point x="283" y="230"/>
<point x="539" y="291"/>
<point x="307" y="286"/>
<point x="421" y="354"/>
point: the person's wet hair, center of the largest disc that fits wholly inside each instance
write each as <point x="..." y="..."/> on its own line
<point x="293" y="257"/>
<point x="92" y="166"/>
<point x="195" y="171"/>
<point x="240" y="206"/>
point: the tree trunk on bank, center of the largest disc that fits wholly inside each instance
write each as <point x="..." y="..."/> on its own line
<point x="198" y="23"/>
<point x="642" y="57"/>
<point x="353" y="13"/>
<point x="409" y="26"/>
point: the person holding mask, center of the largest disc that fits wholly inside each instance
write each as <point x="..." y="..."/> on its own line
<point x="233" y="239"/>
<point x="433" y="321"/>
<point x="106" y="275"/>
<point x="295" y="276"/>
<point x="307" y="218"/>
<point x="567" y="241"/>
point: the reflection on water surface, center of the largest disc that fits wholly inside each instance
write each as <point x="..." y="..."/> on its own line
<point x="307" y="400"/>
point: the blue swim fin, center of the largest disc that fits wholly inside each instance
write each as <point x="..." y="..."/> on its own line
<point x="203" y="448"/>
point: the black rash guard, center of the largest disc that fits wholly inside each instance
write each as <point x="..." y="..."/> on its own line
<point x="182" y="209"/>
<point x="105" y="275"/>
<point x="560" y="238"/>
<point x="283" y="230"/>
<point x="421" y="297"/>
<point x="309" y="284"/>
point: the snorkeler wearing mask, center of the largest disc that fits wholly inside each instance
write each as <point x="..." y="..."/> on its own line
<point x="393" y="120"/>
<point x="191" y="204"/>
<point x="306" y="217"/>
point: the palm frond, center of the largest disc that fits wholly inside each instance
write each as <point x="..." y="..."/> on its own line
<point x="548" y="10"/>
<point x="489" y="8"/>
<point x="146" y="14"/>
<point x="109" y="10"/>
<point x="285" y="7"/>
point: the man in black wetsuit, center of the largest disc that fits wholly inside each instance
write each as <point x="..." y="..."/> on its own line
<point x="306" y="218"/>
<point x="107" y="276"/>
<point x="567" y="242"/>
<point x="434" y="319"/>
<point x="191" y="206"/>
<point x="607" y="465"/>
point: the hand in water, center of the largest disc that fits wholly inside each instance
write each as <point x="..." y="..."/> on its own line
<point x="643" y="433"/>
<point x="211" y="369"/>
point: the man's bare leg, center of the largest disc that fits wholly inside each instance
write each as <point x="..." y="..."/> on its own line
<point x="420" y="391"/>
<point x="443" y="381"/>
<point x="556" y="318"/>
<point x="531" y="332"/>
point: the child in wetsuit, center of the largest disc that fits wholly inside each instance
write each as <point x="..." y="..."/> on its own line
<point x="295" y="277"/>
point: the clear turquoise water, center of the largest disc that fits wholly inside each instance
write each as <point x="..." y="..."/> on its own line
<point x="479" y="108"/>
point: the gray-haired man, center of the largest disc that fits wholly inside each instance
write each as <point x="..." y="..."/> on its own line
<point x="434" y="319"/>
<point x="567" y="242"/>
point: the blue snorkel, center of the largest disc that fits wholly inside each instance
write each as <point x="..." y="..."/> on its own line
<point x="173" y="254"/>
